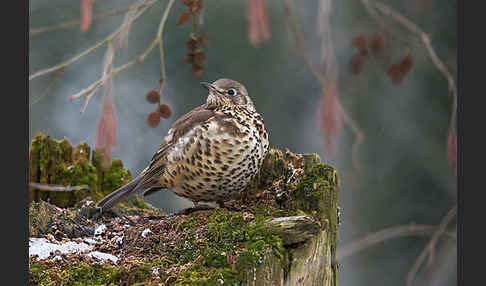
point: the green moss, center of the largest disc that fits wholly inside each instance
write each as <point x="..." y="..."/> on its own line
<point x="85" y="274"/>
<point x="316" y="195"/>
<point x="115" y="176"/>
<point x="205" y="247"/>
<point x="228" y="247"/>
<point x="58" y="162"/>
<point x="79" y="173"/>
<point x="229" y="231"/>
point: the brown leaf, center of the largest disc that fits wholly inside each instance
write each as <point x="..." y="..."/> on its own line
<point x="397" y="71"/>
<point x="183" y="18"/>
<point x="86" y="14"/>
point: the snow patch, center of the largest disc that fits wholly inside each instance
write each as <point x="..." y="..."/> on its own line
<point x="100" y="229"/>
<point x="43" y="248"/>
<point x="103" y="256"/>
<point x="145" y="232"/>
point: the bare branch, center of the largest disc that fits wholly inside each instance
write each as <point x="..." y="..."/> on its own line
<point x="89" y="91"/>
<point x="57" y="188"/>
<point x="430" y="248"/>
<point x="75" y="23"/>
<point x="438" y="63"/>
<point x="359" y="137"/>
<point x="386" y="234"/>
<point x="320" y="78"/>
<point x="47" y="91"/>
<point x="90" y="49"/>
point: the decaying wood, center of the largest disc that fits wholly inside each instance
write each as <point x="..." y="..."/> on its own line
<point x="282" y="232"/>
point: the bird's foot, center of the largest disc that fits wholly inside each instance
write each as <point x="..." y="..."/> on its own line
<point x="194" y="209"/>
<point x="231" y="206"/>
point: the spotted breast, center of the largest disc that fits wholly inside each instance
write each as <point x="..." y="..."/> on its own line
<point x="208" y="155"/>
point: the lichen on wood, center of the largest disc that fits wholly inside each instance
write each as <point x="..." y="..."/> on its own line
<point x="283" y="230"/>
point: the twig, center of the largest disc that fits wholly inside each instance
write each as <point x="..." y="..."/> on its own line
<point x="430" y="248"/>
<point x="438" y="63"/>
<point x="294" y="27"/>
<point x="75" y="23"/>
<point x="386" y="234"/>
<point x="90" y="90"/>
<point x="90" y="49"/>
<point x="48" y="89"/>
<point x="57" y="188"/>
<point x="359" y="137"/>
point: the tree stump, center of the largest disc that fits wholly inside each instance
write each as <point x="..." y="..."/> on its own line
<point x="283" y="231"/>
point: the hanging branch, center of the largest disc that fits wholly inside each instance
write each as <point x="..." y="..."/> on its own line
<point x="390" y="233"/>
<point x="372" y="6"/>
<point x="92" y="48"/>
<point x="321" y="79"/>
<point x="90" y="90"/>
<point x="430" y="247"/>
<point x="47" y="91"/>
<point x="76" y="23"/>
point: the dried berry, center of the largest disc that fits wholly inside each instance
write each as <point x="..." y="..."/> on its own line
<point x="377" y="44"/>
<point x="183" y="19"/>
<point x="153" y="96"/>
<point x="196" y="70"/>
<point x="200" y="58"/>
<point x="361" y="42"/>
<point x="357" y="63"/>
<point x="165" y="111"/>
<point x="191" y="44"/>
<point x="189" y="58"/>
<point x="153" y="119"/>
<point x="202" y="41"/>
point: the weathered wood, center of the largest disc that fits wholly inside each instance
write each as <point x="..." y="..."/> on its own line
<point x="293" y="229"/>
<point x="282" y="232"/>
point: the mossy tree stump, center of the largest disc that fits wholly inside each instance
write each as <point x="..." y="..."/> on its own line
<point x="282" y="232"/>
<point x="57" y="162"/>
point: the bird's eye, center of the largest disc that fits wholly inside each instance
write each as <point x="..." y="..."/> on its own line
<point x="231" y="91"/>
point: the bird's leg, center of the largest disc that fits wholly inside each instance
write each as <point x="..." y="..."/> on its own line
<point x="221" y="204"/>
<point x="197" y="207"/>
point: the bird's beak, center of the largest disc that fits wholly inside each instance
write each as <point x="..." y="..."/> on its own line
<point x="208" y="86"/>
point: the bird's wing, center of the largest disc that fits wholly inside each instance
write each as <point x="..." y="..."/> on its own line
<point x="149" y="181"/>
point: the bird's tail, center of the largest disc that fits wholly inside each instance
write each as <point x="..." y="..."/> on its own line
<point x="118" y="195"/>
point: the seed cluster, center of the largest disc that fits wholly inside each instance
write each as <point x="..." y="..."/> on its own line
<point x="376" y="45"/>
<point x="196" y="43"/>
<point x="163" y="110"/>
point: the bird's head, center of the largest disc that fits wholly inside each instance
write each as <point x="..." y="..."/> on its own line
<point x="227" y="92"/>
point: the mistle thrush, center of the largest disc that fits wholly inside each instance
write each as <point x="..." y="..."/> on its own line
<point x="208" y="155"/>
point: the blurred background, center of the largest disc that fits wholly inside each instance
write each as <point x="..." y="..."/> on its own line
<point x="377" y="69"/>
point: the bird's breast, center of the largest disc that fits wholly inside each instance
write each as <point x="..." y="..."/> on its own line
<point x="216" y="160"/>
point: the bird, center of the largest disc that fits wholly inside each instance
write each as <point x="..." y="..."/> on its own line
<point x="210" y="154"/>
